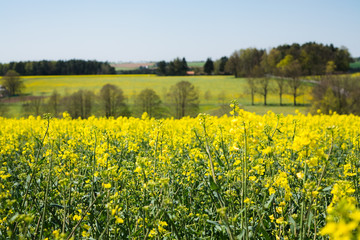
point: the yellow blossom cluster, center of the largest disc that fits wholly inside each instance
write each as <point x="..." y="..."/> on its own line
<point x="239" y="176"/>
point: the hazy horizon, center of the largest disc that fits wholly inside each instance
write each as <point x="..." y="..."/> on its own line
<point x="142" y="31"/>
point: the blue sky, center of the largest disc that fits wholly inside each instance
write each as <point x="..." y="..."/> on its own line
<point x="143" y="30"/>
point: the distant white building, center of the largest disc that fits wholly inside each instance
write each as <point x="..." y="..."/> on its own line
<point x="3" y="92"/>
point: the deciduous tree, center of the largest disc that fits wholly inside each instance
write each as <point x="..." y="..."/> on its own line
<point x="79" y="104"/>
<point x="264" y="70"/>
<point x="53" y="103"/>
<point x="13" y="82"/>
<point x="241" y="63"/>
<point x="185" y="98"/>
<point x="113" y="101"/>
<point x="33" y="106"/>
<point x="233" y="64"/>
<point x="291" y="69"/>
<point x="336" y="93"/>
<point x="148" y="101"/>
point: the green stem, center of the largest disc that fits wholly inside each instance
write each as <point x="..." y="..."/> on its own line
<point x="35" y="164"/>
<point x="46" y="198"/>
<point x="207" y="149"/>
<point x="302" y="230"/>
<point x="245" y="167"/>
<point x="33" y="170"/>
<point x="82" y="218"/>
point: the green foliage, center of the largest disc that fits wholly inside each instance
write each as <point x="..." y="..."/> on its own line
<point x="177" y="67"/>
<point x="355" y="66"/>
<point x="312" y="58"/>
<point x="70" y="67"/>
<point x="330" y="67"/>
<point x="195" y="64"/>
<point x="209" y="66"/>
<point x="241" y="63"/>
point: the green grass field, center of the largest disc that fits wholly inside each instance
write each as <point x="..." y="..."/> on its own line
<point x="210" y="89"/>
<point x="355" y="65"/>
<point x="196" y="64"/>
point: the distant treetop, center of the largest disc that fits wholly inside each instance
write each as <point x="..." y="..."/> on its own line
<point x="312" y="58"/>
<point x="70" y="67"/>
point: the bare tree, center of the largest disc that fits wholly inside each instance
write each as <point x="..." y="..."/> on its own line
<point x="251" y="81"/>
<point x="33" y="106"/>
<point x="264" y="70"/>
<point x="291" y="69"/>
<point x="53" y="103"/>
<point x="269" y="63"/>
<point x="263" y="87"/>
<point x="207" y="95"/>
<point x="185" y="98"/>
<point x="280" y="82"/>
<point x="295" y="84"/>
<point x="222" y="97"/>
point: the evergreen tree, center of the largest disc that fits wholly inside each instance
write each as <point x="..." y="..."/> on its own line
<point x="209" y="66"/>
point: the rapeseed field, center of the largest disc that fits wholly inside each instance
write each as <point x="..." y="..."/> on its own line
<point x="243" y="176"/>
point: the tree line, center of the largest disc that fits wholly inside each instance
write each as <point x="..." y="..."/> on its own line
<point x="177" y="67"/>
<point x="45" y="67"/>
<point x="287" y="64"/>
<point x="312" y="59"/>
<point x="337" y="93"/>
<point x="181" y="100"/>
<point x="309" y="59"/>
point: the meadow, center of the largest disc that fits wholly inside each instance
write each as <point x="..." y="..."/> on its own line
<point x="355" y="65"/>
<point x="210" y="89"/>
<point x="243" y="176"/>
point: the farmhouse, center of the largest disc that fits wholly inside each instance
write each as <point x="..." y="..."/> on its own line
<point x="3" y="92"/>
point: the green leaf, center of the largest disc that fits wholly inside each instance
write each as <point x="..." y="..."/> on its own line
<point x="292" y="224"/>
<point x="268" y="203"/>
<point x="241" y="235"/>
<point x="327" y="189"/>
<point x="218" y="160"/>
<point x="213" y="185"/>
<point x="311" y="215"/>
<point x="264" y="233"/>
<point x="213" y="222"/>
<point x="13" y="218"/>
